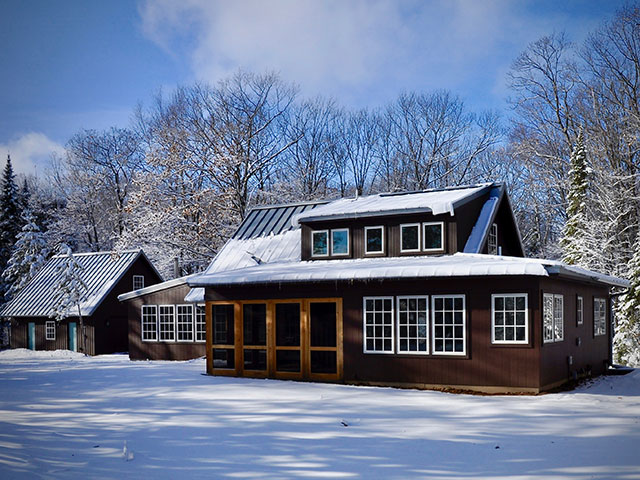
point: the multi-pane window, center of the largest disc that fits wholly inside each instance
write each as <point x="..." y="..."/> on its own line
<point x="599" y="316"/>
<point x="201" y="323"/>
<point x="509" y="318"/>
<point x="138" y="282"/>
<point x="492" y="242"/>
<point x="448" y="324"/>
<point x="410" y="237"/>
<point x="378" y="324"/>
<point x="412" y="325"/>
<point x="166" y="322"/>
<point x="433" y="236"/>
<point x="373" y="240"/>
<point x="149" y="322"/>
<point x="579" y="310"/>
<point x="185" y="323"/>
<point x="553" y="318"/>
<point x="340" y="241"/>
<point x="320" y="243"/>
<point x="50" y="330"/>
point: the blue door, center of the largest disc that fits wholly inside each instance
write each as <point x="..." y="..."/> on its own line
<point x="73" y="339"/>
<point x="32" y="335"/>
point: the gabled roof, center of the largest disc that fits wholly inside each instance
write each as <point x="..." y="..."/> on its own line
<point x="102" y="271"/>
<point x="437" y="202"/>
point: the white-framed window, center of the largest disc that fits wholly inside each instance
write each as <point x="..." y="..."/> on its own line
<point x="373" y="240"/>
<point x="138" y="282"/>
<point x="166" y="323"/>
<point x="378" y="324"/>
<point x="492" y="242"/>
<point x="448" y="325"/>
<point x="184" y="324"/>
<point x="320" y="243"/>
<point x="340" y="242"/>
<point x="413" y="314"/>
<point x="599" y="316"/>
<point x="579" y="310"/>
<point x="509" y="318"/>
<point x="553" y="318"/>
<point x="201" y="323"/>
<point x="410" y="237"/>
<point x="149" y="323"/>
<point x="50" y="330"/>
<point x="433" y="236"/>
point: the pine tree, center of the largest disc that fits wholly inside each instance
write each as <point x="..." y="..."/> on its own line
<point x="626" y="343"/>
<point x="28" y="255"/>
<point x="573" y="241"/>
<point x="71" y="290"/>
<point x="10" y="222"/>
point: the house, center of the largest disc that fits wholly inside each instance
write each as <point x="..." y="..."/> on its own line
<point x="422" y="289"/>
<point x="106" y="275"/>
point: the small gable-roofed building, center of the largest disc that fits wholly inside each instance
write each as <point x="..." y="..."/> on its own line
<point x="422" y="289"/>
<point x="106" y="275"/>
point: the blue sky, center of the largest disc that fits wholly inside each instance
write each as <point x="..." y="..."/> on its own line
<point x="76" y="64"/>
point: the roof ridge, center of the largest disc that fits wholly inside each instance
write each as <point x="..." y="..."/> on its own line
<point x="109" y="252"/>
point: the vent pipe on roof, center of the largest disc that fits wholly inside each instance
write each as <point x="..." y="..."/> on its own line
<point x="176" y="267"/>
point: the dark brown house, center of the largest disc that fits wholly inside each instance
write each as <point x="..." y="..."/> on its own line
<point x="106" y="275"/>
<point x="423" y="289"/>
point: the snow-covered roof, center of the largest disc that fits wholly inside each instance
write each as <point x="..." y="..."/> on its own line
<point x="436" y="202"/>
<point x="457" y="265"/>
<point x="156" y="287"/>
<point x="101" y="272"/>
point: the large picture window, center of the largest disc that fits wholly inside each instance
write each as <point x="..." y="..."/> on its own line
<point x="553" y="318"/>
<point x="510" y="318"/>
<point x="378" y="324"/>
<point x="167" y="323"/>
<point x="433" y="236"/>
<point x="320" y="243"/>
<point x="448" y="324"/>
<point x="373" y="240"/>
<point x="149" y="322"/>
<point x="599" y="316"/>
<point x="410" y="237"/>
<point x="412" y="325"/>
<point x="185" y="323"/>
<point x="201" y="323"/>
<point x="50" y="330"/>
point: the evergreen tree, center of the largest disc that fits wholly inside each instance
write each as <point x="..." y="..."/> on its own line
<point x="29" y="254"/>
<point x="626" y="343"/>
<point x="10" y="223"/>
<point x="72" y="291"/>
<point x="573" y="242"/>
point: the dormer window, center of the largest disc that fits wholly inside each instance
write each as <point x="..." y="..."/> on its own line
<point x="373" y="240"/>
<point x="433" y="236"/>
<point x="410" y="237"/>
<point x="340" y="242"/>
<point x="320" y="243"/>
<point x="492" y="242"/>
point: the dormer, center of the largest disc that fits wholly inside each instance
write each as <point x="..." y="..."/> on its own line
<point x="472" y="219"/>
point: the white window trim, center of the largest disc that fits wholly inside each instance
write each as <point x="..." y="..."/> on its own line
<point x="553" y="296"/>
<point x="493" y="234"/>
<point x="195" y="323"/>
<point x="441" y="249"/>
<point x="364" y="326"/>
<point x="580" y="309"/>
<point x="464" y="326"/>
<point x="321" y="255"/>
<point x="175" y="325"/>
<point x="419" y="238"/>
<point x="138" y="277"/>
<point x="47" y="324"/>
<point x="366" y="244"/>
<point x="526" y="319"/>
<point x="142" y="324"/>
<point x="334" y="254"/>
<point x="397" y="319"/>
<point x="598" y="333"/>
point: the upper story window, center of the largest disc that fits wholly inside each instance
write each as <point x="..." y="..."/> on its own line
<point x="553" y="318"/>
<point x="138" y="282"/>
<point x="492" y="242"/>
<point x="320" y="243"/>
<point x="410" y="237"/>
<point x="599" y="316"/>
<point x="373" y="240"/>
<point x="340" y="242"/>
<point x="510" y="323"/>
<point x="433" y="236"/>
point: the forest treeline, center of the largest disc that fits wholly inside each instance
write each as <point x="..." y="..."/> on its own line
<point x="182" y="175"/>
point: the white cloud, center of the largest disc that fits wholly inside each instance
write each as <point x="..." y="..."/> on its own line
<point x="30" y="152"/>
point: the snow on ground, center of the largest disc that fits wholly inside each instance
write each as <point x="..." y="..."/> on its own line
<point x="63" y="415"/>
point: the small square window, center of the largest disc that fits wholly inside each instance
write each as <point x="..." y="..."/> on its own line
<point x="374" y="240"/>
<point x="138" y="282"/>
<point x="410" y="237"/>
<point x="433" y="236"/>
<point x="320" y="243"/>
<point x="340" y="242"/>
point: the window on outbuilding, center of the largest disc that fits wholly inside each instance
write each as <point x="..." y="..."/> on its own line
<point x="599" y="316"/>
<point x="433" y="236"/>
<point x="410" y="237"/>
<point x="448" y="324"/>
<point x="510" y="318"/>
<point x="167" y="323"/>
<point x="138" y="282"/>
<point x="579" y="310"/>
<point x="373" y="240"/>
<point x="553" y="318"/>
<point x="378" y="324"/>
<point x="149" y="323"/>
<point x="50" y="330"/>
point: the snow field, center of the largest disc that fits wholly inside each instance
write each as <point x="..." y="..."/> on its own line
<point x="63" y="415"/>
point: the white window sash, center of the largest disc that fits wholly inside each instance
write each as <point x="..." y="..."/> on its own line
<point x="383" y="338"/>
<point x="333" y="253"/>
<point x="464" y="326"/>
<point x="366" y="243"/>
<point x="407" y="225"/>
<point x="515" y="296"/>
<point x="319" y="255"/>
<point x="428" y="224"/>
<point x="399" y="338"/>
